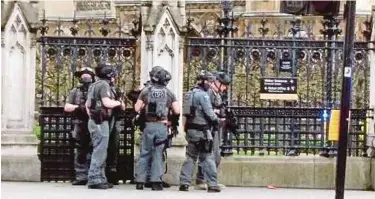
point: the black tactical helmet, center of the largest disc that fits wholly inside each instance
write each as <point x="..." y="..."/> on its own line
<point x="205" y="75"/>
<point x="168" y="77"/>
<point x="85" y="70"/>
<point x="161" y="77"/>
<point x="147" y="83"/>
<point x="154" y="70"/>
<point x="105" y="71"/>
<point x="223" y="78"/>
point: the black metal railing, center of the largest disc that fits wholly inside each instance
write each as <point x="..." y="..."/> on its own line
<point x="276" y="131"/>
<point x="57" y="145"/>
<point x="254" y="59"/>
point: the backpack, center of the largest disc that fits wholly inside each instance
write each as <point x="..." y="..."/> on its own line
<point x="188" y="108"/>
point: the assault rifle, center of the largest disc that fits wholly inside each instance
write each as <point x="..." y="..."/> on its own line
<point x="230" y="123"/>
<point x="139" y="119"/>
<point x="119" y="97"/>
<point x="174" y="120"/>
<point x="133" y="95"/>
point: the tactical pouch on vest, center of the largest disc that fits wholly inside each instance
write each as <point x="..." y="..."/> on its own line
<point x="188" y="108"/>
<point x="151" y="109"/>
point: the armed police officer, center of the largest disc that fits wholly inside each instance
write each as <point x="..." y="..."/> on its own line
<point x="76" y="105"/>
<point x="140" y="119"/>
<point x="217" y="88"/>
<point x="200" y="119"/>
<point x="99" y="105"/>
<point x="156" y="100"/>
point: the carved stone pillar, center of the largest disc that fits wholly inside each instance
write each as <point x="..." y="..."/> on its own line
<point x="371" y="133"/>
<point x="180" y="140"/>
<point x="162" y="46"/>
<point x="19" y="159"/>
<point x="147" y="46"/>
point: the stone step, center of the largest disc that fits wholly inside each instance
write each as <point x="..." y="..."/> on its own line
<point x="18" y="144"/>
<point x="17" y="149"/>
<point x="21" y="139"/>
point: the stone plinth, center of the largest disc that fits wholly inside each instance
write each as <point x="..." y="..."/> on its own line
<point x="19" y="161"/>
<point x="162" y="45"/>
<point x="284" y="172"/>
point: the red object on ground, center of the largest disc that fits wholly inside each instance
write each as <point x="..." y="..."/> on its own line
<point x="271" y="187"/>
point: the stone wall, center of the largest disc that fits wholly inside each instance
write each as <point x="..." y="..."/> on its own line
<point x="311" y="172"/>
<point x="286" y="172"/>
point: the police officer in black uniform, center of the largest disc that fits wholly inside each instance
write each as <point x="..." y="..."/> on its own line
<point x="76" y="105"/>
<point x="100" y="104"/>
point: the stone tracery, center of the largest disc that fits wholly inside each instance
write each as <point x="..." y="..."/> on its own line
<point x="166" y="41"/>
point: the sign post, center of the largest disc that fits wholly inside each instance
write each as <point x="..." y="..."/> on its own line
<point x="345" y="98"/>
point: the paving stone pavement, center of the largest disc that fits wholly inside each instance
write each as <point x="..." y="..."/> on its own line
<point x="45" y="190"/>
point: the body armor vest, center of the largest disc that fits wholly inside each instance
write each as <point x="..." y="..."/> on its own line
<point x="157" y="106"/>
<point x="81" y="96"/>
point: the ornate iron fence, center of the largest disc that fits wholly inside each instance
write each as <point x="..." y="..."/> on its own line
<point x="315" y="62"/>
<point x="57" y="145"/>
<point x="60" y="55"/>
<point x="277" y="131"/>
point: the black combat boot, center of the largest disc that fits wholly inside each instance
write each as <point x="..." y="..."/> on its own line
<point x="213" y="189"/>
<point x="139" y="186"/>
<point x="157" y="186"/>
<point x="112" y="176"/>
<point x="100" y="186"/>
<point x="184" y="187"/>
<point x="110" y="185"/>
<point x="113" y="182"/>
<point x="148" y="184"/>
<point x="79" y="182"/>
<point x="165" y="185"/>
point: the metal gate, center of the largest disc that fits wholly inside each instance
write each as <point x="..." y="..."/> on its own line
<point x="278" y="126"/>
<point x="60" y="55"/>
